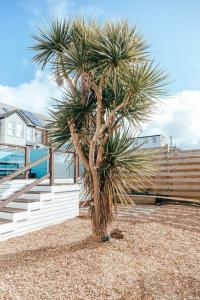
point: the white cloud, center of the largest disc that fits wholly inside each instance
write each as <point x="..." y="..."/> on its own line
<point x="34" y="95"/>
<point x="59" y="8"/>
<point x="91" y="11"/>
<point x="178" y="116"/>
<point x="44" y="10"/>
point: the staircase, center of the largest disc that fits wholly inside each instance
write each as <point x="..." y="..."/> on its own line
<point x="43" y="205"/>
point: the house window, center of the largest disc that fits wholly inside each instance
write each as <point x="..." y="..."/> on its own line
<point x="154" y="139"/>
<point x="19" y="130"/>
<point x="30" y="134"/>
<point x="146" y="140"/>
<point x="11" y="128"/>
<point x="136" y="141"/>
<point x="39" y="136"/>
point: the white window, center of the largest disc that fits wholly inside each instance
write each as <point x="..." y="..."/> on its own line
<point x="11" y="128"/>
<point x="154" y="139"/>
<point x="19" y="130"/>
<point x="30" y="134"/>
<point x="39" y="136"/>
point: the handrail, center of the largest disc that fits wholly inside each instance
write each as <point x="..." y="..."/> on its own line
<point x="27" y="167"/>
<point x="33" y="184"/>
<point x="22" y="191"/>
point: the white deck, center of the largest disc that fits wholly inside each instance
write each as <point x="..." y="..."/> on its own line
<point x="12" y="186"/>
<point x="42" y="206"/>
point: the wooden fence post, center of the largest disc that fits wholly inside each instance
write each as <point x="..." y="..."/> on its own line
<point x="26" y="160"/>
<point x="51" y="166"/>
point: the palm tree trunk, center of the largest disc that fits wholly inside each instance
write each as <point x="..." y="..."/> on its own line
<point x="99" y="214"/>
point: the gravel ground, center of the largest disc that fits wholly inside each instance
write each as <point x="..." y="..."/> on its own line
<point x="159" y="258"/>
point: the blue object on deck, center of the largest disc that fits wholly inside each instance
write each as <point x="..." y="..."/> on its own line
<point x="41" y="169"/>
<point x="10" y="161"/>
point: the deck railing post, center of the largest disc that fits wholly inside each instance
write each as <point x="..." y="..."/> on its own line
<point x="78" y="166"/>
<point x="26" y="160"/>
<point x="51" y="166"/>
<point x="75" y="169"/>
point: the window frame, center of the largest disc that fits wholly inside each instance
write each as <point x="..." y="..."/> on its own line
<point x="40" y="141"/>
<point x="28" y="135"/>
<point x="22" y="130"/>
<point x="13" y="129"/>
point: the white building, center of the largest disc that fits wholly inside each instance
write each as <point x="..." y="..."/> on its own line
<point x="21" y="128"/>
<point x="150" y="141"/>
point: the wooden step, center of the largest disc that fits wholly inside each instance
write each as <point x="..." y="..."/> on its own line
<point x="12" y="210"/>
<point x="14" y="214"/>
<point x="4" y="221"/>
<point x="26" y="204"/>
<point x="25" y="200"/>
<point x="37" y="192"/>
<point x="37" y="195"/>
<point x="56" y="188"/>
<point x="6" y="226"/>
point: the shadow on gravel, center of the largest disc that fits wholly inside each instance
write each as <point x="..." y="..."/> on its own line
<point x="27" y="257"/>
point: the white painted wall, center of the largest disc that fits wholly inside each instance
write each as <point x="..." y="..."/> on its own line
<point x="2" y="130"/>
<point x="150" y="141"/>
<point x="5" y="138"/>
<point x="62" y="205"/>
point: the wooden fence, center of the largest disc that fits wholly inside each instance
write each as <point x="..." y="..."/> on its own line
<point x="177" y="173"/>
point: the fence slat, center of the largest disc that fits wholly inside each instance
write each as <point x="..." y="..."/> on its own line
<point x="177" y="173"/>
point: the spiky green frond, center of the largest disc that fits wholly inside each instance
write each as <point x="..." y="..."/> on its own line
<point x="50" y="42"/>
<point x="72" y="106"/>
<point x="115" y="45"/>
<point x="125" y="163"/>
<point x="125" y="168"/>
<point x="144" y="79"/>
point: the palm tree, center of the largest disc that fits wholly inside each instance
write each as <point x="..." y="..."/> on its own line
<point x="110" y="84"/>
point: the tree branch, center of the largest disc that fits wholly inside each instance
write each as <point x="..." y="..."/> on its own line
<point x="77" y="145"/>
<point x="116" y="125"/>
<point x="110" y="118"/>
<point x="98" y="93"/>
<point x="99" y="156"/>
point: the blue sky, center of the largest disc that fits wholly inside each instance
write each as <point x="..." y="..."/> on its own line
<point x="172" y="28"/>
